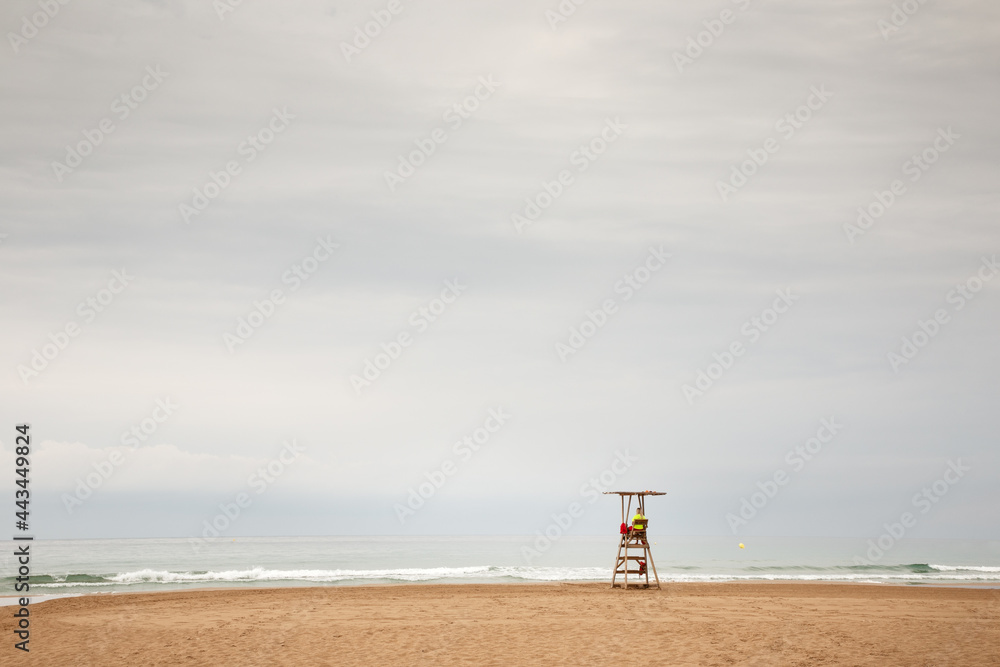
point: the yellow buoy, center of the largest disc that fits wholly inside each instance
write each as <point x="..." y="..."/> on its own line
<point x="741" y="545"/>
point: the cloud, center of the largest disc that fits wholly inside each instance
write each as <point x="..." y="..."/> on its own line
<point x="155" y="469"/>
<point x="657" y="184"/>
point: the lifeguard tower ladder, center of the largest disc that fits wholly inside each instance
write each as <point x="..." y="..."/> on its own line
<point x="633" y="548"/>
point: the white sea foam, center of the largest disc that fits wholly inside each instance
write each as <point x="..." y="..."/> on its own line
<point x="148" y="576"/>
<point x="964" y="568"/>
<point x="969" y="573"/>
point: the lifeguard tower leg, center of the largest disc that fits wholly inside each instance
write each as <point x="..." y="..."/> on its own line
<point x="652" y="565"/>
<point x="626" y="542"/>
<point x="618" y="561"/>
<point x="621" y="543"/>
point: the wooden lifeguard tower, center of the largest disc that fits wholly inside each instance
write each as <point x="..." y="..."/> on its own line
<point x="633" y="546"/>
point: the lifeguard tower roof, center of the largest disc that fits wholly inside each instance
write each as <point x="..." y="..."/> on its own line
<point x="637" y="493"/>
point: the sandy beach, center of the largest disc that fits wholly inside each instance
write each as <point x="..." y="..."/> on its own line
<point x="539" y="624"/>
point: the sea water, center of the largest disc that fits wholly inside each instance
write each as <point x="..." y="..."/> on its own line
<point x="60" y="567"/>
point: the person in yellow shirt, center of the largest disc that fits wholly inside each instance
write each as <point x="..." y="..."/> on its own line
<point x="638" y="521"/>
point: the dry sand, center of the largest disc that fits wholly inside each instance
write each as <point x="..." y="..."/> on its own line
<point x="542" y="624"/>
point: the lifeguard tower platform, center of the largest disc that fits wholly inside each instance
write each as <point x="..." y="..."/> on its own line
<point x="633" y="548"/>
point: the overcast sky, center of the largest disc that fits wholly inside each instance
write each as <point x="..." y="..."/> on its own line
<point x="633" y="125"/>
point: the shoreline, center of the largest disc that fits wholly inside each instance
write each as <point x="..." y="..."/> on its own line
<point x="9" y="600"/>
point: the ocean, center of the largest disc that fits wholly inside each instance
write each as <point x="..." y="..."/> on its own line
<point x="70" y="567"/>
